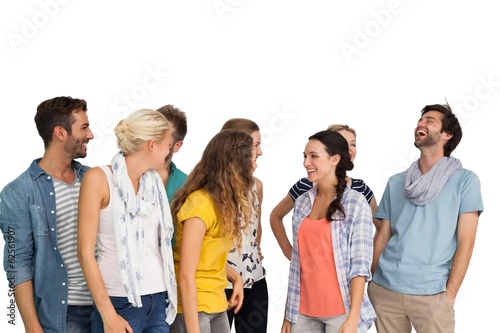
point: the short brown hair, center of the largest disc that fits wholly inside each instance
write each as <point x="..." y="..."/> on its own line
<point x="178" y="120"/>
<point x="57" y="111"/>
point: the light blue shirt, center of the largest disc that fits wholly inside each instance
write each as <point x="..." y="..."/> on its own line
<point x="352" y="241"/>
<point x="28" y="224"/>
<point x="417" y="259"/>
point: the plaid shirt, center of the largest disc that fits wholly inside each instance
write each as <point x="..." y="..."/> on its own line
<point x="352" y="241"/>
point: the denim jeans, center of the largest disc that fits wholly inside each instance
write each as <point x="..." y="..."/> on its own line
<point x="150" y="318"/>
<point x="78" y="318"/>
<point x="209" y="323"/>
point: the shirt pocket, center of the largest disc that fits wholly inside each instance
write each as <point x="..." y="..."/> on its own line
<point x="38" y="223"/>
<point x="344" y="235"/>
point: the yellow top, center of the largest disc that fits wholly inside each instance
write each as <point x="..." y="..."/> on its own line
<point x="210" y="275"/>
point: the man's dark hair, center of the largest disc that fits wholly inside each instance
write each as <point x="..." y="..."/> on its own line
<point x="178" y="120"/>
<point x="57" y="111"/>
<point x="450" y="125"/>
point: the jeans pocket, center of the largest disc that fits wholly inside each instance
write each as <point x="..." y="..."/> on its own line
<point x="120" y="303"/>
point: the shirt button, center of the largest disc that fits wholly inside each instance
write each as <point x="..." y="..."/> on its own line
<point x="51" y="193"/>
<point x="51" y="212"/>
<point x="63" y="302"/>
<point x="48" y="177"/>
<point x="52" y="229"/>
<point x="55" y="248"/>
<point x="62" y="265"/>
<point x="64" y="283"/>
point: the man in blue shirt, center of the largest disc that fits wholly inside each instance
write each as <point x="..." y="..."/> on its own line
<point x="38" y="217"/>
<point x="174" y="177"/>
<point x="429" y="217"/>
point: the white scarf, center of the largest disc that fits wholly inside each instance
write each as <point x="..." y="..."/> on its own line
<point x="129" y="211"/>
<point x="422" y="189"/>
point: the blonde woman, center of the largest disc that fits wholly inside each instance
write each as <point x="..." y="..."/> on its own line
<point x="303" y="185"/>
<point x="124" y="214"/>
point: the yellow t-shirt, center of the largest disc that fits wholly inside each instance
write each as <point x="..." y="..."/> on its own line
<point x="210" y="275"/>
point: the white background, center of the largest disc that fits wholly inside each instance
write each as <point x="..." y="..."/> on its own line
<point x="294" y="67"/>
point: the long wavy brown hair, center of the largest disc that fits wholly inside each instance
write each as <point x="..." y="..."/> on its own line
<point x="225" y="172"/>
<point x="246" y="126"/>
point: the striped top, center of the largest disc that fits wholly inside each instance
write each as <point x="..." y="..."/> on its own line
<point x="66" y="218"/>
<point x="304" y="185"/>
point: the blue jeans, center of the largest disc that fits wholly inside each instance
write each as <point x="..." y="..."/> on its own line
<point x="150" y="318"/>
<point x="78" y="318"/>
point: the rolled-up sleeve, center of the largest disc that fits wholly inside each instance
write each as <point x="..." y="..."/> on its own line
<point x="15" y="223"/>
<point x="361" y="247"/>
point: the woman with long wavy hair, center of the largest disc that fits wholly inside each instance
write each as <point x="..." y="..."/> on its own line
<point x="210" y="210"/>
<point x="252" y="316"/>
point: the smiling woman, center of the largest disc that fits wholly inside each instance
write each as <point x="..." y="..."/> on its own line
<point x="248" y="261"/>
<point x="332" y="246"/>
<point x="132" y="282"/>
<point x="305" y="184"/>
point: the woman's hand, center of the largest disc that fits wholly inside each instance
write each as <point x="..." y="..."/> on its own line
<point x="261" y="256"/>
<point x="236" y="300"/>
<point x="116" y="323"/>
<point x="287" y="326"/>
<point x="349" y="326"/>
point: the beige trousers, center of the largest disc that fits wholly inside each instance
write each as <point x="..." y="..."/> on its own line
<point x="396" y="313"/>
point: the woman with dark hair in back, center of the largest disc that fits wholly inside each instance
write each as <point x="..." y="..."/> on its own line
<point x="332" y="246"/>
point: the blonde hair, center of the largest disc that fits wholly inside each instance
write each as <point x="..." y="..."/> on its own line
<point x="139" y="127"/>
<point x="338" y="128"/>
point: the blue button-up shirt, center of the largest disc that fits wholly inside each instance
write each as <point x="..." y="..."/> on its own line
<point x="352" y="241"/>
<point x="28" y="224"/>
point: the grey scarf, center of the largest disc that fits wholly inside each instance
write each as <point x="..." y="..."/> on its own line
<point x="422" y="189"/>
